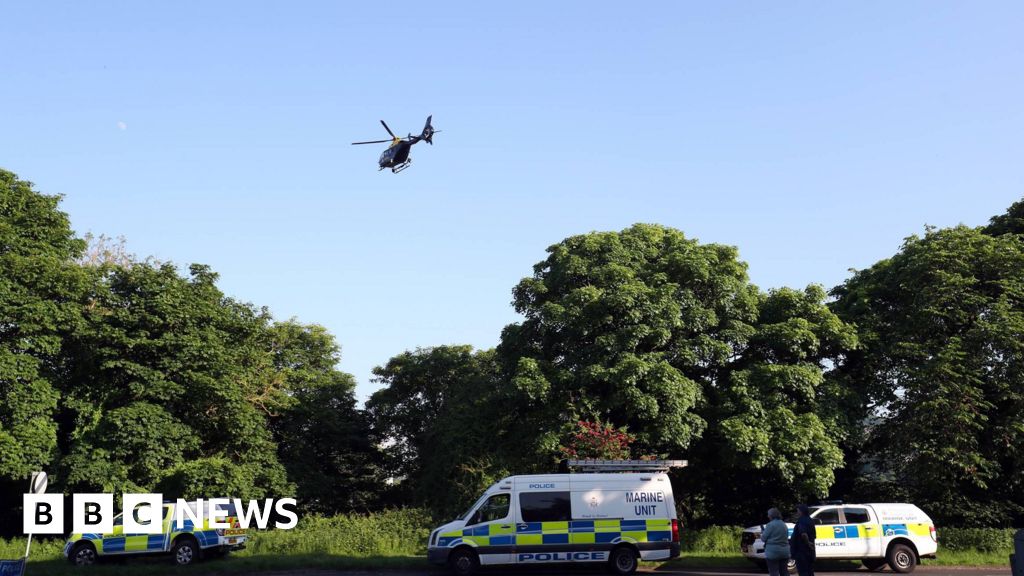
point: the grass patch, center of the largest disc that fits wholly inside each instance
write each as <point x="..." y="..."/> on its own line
<point x="968" y="558"/>
<point x="396" y="540"/>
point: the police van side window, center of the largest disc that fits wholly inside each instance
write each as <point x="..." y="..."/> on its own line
<point x="827" y="517"/>
<point x="545" y="506"/>
<point x="857" y="515"/>
<point x="496" y="508"/>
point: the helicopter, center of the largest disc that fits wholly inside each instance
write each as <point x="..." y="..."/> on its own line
<point x="396" y="156"/>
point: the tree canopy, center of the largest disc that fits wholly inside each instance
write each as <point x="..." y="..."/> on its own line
<point x="906" y="382"/>
<point x="120" y="375"/>
<point x="941" y="372"/>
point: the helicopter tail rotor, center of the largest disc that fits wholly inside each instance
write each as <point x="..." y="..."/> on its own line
<point x="428" y="132"/>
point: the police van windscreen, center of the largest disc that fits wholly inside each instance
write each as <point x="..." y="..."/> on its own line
<point x="465" y="515"/>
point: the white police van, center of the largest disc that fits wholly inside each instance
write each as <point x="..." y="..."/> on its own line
<point x="876" y="534"/>
<point x="614" y="512"/>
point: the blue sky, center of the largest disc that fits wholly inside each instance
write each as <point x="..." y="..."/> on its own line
<point x="814" y="136"/>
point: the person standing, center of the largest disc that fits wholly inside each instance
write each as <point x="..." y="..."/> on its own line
<point x="801" y="543"/>
<point x="775" y="536"/>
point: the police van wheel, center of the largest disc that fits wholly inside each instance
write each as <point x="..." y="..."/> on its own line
<point x="463" y="562"/>
<point x="791" y="566"/>
<point x="83" y="554"/>
<point x="901" y="559"/>
<point x="185" y="552"/>
<point x="623" y="561"/>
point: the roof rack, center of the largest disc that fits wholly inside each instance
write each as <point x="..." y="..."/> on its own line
<point x="625" y="465"/>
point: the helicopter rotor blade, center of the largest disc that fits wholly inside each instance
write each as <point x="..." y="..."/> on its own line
<point x="371" y="142"/>
<point x="388" y="129"/>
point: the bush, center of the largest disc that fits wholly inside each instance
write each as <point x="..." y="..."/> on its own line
<point x="980" y="539"/>
<point x="717" y="539"/>
<point x="400" y="532"/>
<point x="43" y="548"/>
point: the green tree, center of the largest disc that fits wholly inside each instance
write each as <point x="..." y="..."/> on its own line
<point x="625" y="327"/>
<point x="323" y="440"/>
<point x="666" y="338"/>
<point x="443" y="424"/>
<point x="1011" y="222"/>
<point x="164" y="389"/>
<point x="40" y="291"/>
<point x="775" y="421"/>
<point x="941" y="372"/>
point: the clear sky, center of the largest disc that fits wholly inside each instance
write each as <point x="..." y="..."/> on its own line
<point x="814" y="136"/>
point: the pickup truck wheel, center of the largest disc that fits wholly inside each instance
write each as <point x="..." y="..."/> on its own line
<point x="873" y="564"/>
<point x="185" y="551"/>
<point x="83" y="554"/>
<point x="901" y="559"/>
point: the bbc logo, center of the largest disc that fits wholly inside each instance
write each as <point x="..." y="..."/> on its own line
<point x="44" y="513"/>
<point x="144" y="513"/>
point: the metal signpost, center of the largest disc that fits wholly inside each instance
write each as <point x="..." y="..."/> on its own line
<point x="37" y="485"/>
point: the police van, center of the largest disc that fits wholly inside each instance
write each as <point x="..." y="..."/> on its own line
<point x="876" y="534"/>
<point x="613" y="512"/>
<point x="185" y="544"/>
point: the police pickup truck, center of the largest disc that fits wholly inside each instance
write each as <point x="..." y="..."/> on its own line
<point x="876" y="534"/>
<point x="185" y="544"/>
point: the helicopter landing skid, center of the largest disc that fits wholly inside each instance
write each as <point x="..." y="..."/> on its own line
<point x="399" y="167"/>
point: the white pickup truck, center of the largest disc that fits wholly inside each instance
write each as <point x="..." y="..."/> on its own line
<point x="876" y="534"/>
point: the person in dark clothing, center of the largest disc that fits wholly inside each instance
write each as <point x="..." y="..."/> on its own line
<point x="801" y="543"/>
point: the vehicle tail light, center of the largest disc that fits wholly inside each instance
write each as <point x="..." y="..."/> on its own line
<point x="933" y="533"/>
<point x="675" y="530"/>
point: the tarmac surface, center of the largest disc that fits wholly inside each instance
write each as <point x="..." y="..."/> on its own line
<point x="661" y="570"/>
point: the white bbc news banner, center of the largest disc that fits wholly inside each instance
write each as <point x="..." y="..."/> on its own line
<point x="44" y="513"/>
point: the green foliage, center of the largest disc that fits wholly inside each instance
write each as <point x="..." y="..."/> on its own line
<point x="39" y="290"/>
<point x="941" y="374"/>
<point x="325" y="441"/>
<point x="713" y="539"/>
<point x="666" y="338"/>
<point x="985" y="540"/>
<point x="401" y="532"/>
<point x="161" y="387"/>
<point x="775" y="425"/>
<point x="442" y="422"/>
<point x="623" y="327"/>
<point x="1011" y="222"/>
<point x="120" y="375"/>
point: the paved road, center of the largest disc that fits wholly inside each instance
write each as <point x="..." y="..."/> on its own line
<point x="921" y="571"/>
<point x="660" y="571"/>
